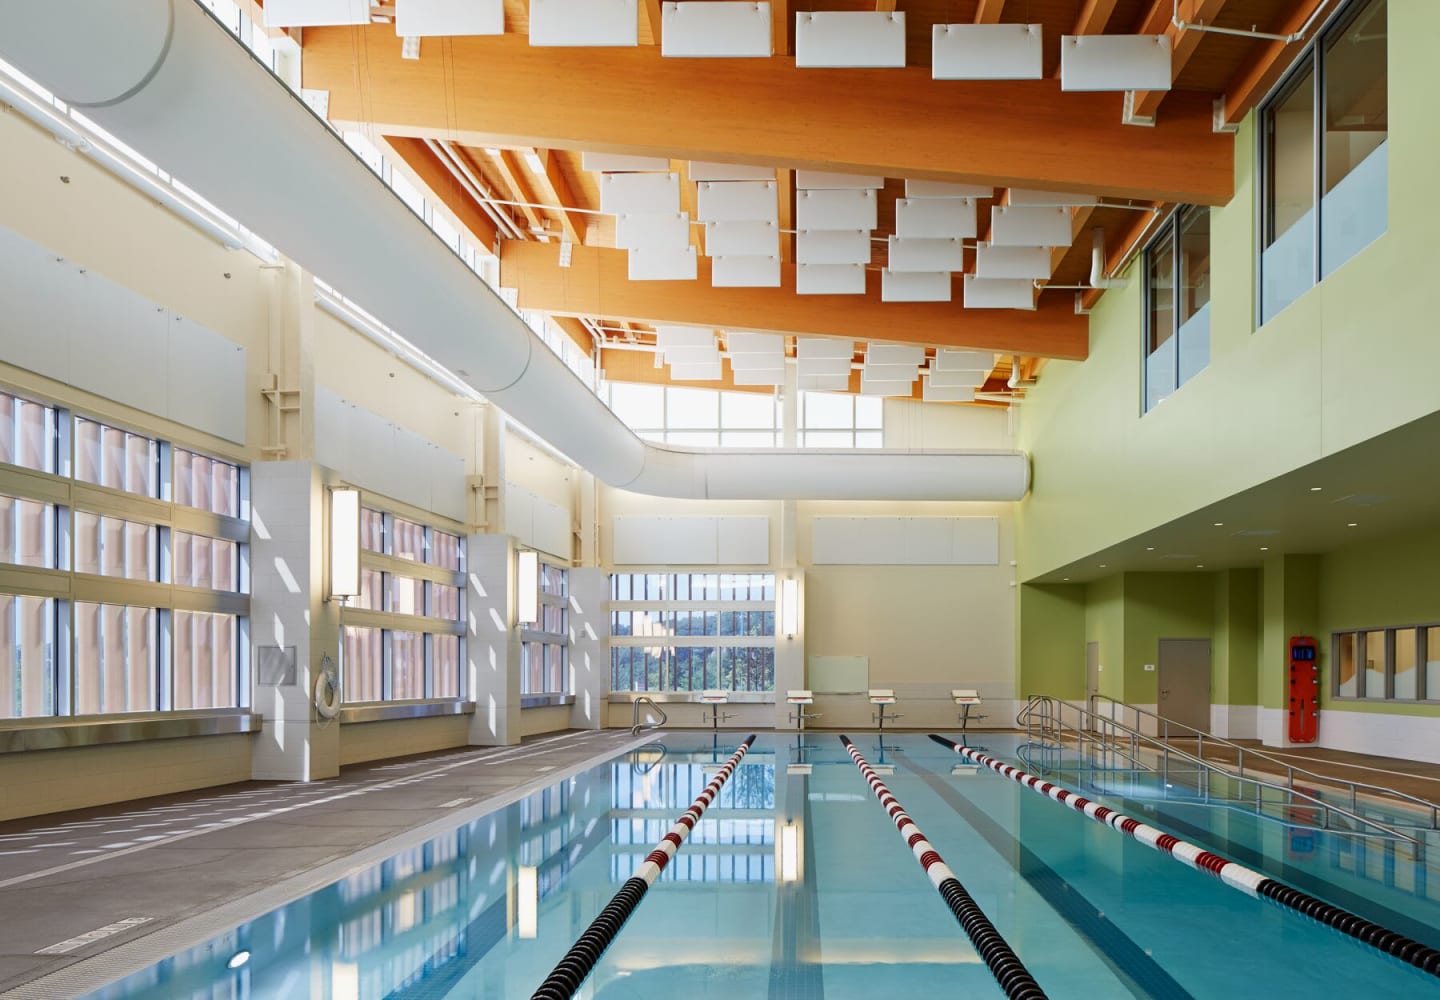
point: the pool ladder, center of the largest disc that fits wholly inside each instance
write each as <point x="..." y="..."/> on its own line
<point x="638" y="725"/>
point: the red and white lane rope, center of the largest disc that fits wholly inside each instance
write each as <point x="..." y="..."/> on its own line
<point x="1233" y="874"/>
<point x="585" y="953"/>
<point x="1006" y="967"/>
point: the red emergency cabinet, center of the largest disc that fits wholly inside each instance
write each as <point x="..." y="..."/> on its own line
<point x="1304" y="690"/>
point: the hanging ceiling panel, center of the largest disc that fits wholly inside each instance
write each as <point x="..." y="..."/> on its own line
<point x="986" y="52"/>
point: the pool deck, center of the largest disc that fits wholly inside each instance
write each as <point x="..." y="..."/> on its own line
<point x="166" y="859"/>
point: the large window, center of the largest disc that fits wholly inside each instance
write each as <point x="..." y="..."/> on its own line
<point x="142" y="607"/>
<point x="836" y="420"/>
<point x="545" y="645"/>
<point x="1392" y="664"/>
<point x="1325" y="168"/>
<point x="692" y="631"/>
<point x="697" y="417"/>
<point x="402" y="633"/>
<point x="1177" y="303"/>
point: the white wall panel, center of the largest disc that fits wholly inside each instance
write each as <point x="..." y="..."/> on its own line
<point x="691" y="541"/>
<point x="730" y="29"/>
<point x="743" y="541"/>
<point x="584" y="22"/>
<point x="422" y="18"/>
<point x="906" y="541"/>
<point x="206" y="384"/>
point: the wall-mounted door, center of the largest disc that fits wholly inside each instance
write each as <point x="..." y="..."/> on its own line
<point x="1184" y="681"/>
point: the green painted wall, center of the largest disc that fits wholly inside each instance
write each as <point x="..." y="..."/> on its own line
<point x="1052" y="641"/>
<point x="1105" y="624"/>
<point x="1235" y="658"/>
<point x="1298" y="389"/>
<point x="1162" y="606"/>
<point x="1290" y="605"/>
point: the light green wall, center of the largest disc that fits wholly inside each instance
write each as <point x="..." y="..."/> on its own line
<point x="1290" y="605"/>
<point x="1235" y="655"/>
<point x="1300" y="388"/>
<point x="1105" y="624"/>
<point x="1052" y="641"/>
<point x="1162" y="606"/>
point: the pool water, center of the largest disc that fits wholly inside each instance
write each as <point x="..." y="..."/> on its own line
<point x="795" y="885"/>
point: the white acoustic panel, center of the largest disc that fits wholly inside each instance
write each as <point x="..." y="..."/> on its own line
<point x="861" y="39"/>
<point x="663" y="265"/>
<point x="619" y="163"/>
<point x="890" y="388"/>
<point x="584" y="22"/>
<point x="759" y="376"/>
<point x="1029" y="226"/>
<point x="935" y="217"/>
<point x="424" y="18"/>
<point x="832" y="246"/>
<point x="745" y="272"/>
<point x="749" y="238"/>
<point x="986" y="52"/>
<point x="1115" y="62"/>
<point x="894" y="354"/>
<point x="670" y="337"/>
<point x="941" y="189"/>
<point x="550" y="529"/>
<point x="755" y="362"/>
<point x="1011" y="262"/>
<point x="700" y="170"/>
<point x="999" y="293"/>
<point x="818" y="180"/>
<point x="823" y="383"/>
<point x="823" y="347"/>
<point x="840" y="209"/>
<point x="709" y="371"/>
<point x="932" y="393"/>
<point x="947" y="359"/>
<point x="654" y="230"/>
<point x="711" y="30"/>
<point x="685" y="541"/>
<point x="925" y="254"/>
<point x="736" y="201"/>
<point x="830" y="279"/>
<point x="204" y="379"/>
<point x="956" y="380"/>
<point x="639" y="193"/>
<point x="824" y="366"/>
<point x="1035" y="196"/>
<point x="755" y="343"/>
<point x="304" y="13"/>
<point x="905" y="541"/>
<point x="872" y="372"/>
<point x="692" y="354"/>
<point x="914" y="286"/>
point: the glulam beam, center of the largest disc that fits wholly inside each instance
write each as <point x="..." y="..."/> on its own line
<point x="1160" y="20"/>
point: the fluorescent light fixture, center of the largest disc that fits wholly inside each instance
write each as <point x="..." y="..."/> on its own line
<point x="790" y="607"/>
<point x="527" y="901"/>
<point x="527" y="587"/>
<point x="789" y="853"/>
<point x="344" y="543"/>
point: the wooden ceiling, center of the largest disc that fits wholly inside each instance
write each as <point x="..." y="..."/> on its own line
<point x="495" y="128"/>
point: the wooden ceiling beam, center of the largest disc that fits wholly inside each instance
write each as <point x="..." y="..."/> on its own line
<point x="1090" y="21"/>
<point x="508" y="166"/>
<point x="556" y="191"/>
<point x="780" y="27"/>
<point x="434" y="175"/>
<point x="499" y="91"/>
<point x="1145" y="103"/>
<point x="576" y="331"/>
<point x="1254" y="79"/>
<point x="652" y="15"/>
<point x="989" y="11"/>
<point x="884" y="6"/>
<point x="597" y="284"/>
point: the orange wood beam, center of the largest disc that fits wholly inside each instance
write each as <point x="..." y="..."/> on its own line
<point x="434" y="175"/>
<point x="1090" y="21"/>
<point x="498" y="91"/>
<point x="780" y="26"/>
<point x="597" y="284"/>
<point x="576" y="331"/>
<point x="884" y="6"/>
<point x="652" y="15"/>
<point x="1079" y="217"/>
<point x="508" y="165"/>
<point x="1250" y="84"/>
<point x="556" y="191"/>
<point x="1144" y="103"/>
<point x="785" y="190"/>
<point x="989" y="11"/>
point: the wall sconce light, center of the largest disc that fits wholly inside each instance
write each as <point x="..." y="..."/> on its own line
<point x="344" y="543"/>
<point x="790" y="607"/>
<point x="527" y="587"/>
<point x="789" y="853"/>
<point x="527" y="901"/>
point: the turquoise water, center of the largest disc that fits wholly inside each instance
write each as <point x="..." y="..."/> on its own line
<point x="486" y="910"/>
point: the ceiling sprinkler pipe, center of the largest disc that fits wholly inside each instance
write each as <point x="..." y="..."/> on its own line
<point x="1294" y="36"/>
<point x="1097" y="262"/>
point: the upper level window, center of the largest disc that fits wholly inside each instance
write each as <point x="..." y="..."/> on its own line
<point x="836" y="420"/>
<point x="706" y="418"/>
<point x="27" y="433"/>
<point x="1177" y="303"/>
<point x="206" y="483"/>
<point x="119" y="459"/>
<point x="1325" y="175"/>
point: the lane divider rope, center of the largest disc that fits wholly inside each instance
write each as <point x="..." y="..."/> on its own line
<point x="1233" y="874"/>
<point x="584" y="954"/>
<point x="1006" y="967"/>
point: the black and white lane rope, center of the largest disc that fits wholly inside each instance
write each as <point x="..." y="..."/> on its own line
<point x="1233" y="874"/>
<point x="585" y="953"/>
<point x="1006" y="967"/>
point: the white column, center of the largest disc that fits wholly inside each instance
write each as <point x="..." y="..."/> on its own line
<point x="492" y="641"/>
<point x="589" y="646"/>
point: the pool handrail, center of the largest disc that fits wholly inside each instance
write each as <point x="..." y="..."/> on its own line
<point x="1166" y="751"/>
<point x="1255" y="884"/>
<point x="1289" y="770"/>
<point x="637" y="725"/>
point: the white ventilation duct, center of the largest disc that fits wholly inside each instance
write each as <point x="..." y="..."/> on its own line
<point x="167" y="79"/>
<point x="1097" y="262"/>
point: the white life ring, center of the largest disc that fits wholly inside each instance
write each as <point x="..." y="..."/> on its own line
<point x="327" y="689"/>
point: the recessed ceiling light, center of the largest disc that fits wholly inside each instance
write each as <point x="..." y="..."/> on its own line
<point x="1264" y="548"/>
<point x="1149" y="548"/>
<point x="1316" y="489"/>
<point x="1352" y="524"/>
<point x="1199" y="565"/>
<point x="1065" y="580"/>
<point x="1219" y="524"/>
<point x="1102" y="566"/>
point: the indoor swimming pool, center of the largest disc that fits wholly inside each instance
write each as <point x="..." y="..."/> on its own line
<point x="795" y="884"/>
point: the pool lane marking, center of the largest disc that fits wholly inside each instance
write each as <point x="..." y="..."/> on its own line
<point x="1232" y="873"/>
<point x="509" y="756"/>
<point x="997" y="954"/>
<point x="565" y="979"/>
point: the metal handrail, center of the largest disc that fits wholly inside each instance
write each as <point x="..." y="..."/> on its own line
<point x="645" y="767"/>
<point x="635" y="716"/>
<point x="1289" y="770"/>
<point x="1052" y="713"/>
